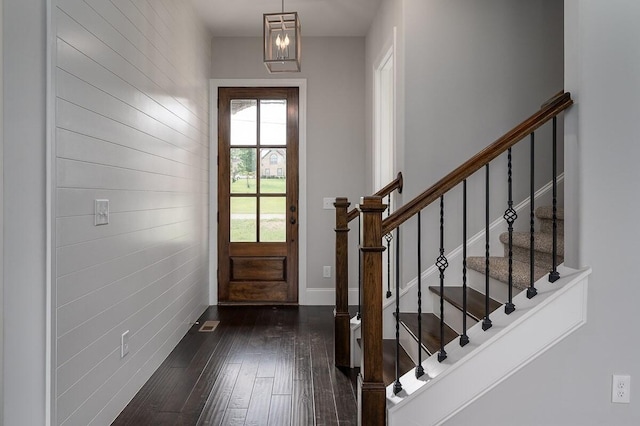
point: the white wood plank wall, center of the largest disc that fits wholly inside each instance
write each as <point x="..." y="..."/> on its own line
<point x="132" y="127"/>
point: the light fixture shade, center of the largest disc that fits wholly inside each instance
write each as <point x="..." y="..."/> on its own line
<point x="282" y="42"/>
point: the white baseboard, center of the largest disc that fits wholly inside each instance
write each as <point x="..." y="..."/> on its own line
<point x="327" y="297"/>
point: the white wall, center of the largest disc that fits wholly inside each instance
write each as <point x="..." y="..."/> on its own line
<point x="24" y="207"/>
<point x="471" y="71"/>
<point x="333" y="67"/>
<point x="570" y="385"/>
<point x="386" y="32"/>
<point x="1" y="218"/>
<point x="160" y="68"/>
<point x="131" y="126"/>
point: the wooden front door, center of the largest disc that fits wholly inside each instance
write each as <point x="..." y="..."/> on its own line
<point x="258" y="195"/>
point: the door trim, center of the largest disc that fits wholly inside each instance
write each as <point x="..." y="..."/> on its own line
<point x="214" y="84"/>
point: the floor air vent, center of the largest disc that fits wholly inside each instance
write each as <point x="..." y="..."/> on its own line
<point x="208" y="326"/>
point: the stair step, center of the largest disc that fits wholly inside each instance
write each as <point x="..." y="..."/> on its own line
<point x="389" y="360"/>
<point x="545" y="219"/>
<point x="546" y="212"/>
<point x="499" y="269"/>
<point x="543" y="242"/>
<point x="543" y="245"/>
<point x="475" y="300"/>
<point x="430" y="330"/>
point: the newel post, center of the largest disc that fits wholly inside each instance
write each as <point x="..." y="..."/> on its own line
<point x="371" y="389"/>
<point x="341" y="314"/>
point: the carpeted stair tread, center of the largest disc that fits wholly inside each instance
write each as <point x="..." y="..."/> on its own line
<point x="499" y="269"/>
<point x="546" y="212"/>
<point x="389" y="363"/>
<point x="544" y="216"/>
<point x="475" y="300"/>
<point x="430" y="330"/>
<point x="543" y="242"/>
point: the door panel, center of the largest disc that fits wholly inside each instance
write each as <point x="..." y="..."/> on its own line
<point x="258" y="195"/>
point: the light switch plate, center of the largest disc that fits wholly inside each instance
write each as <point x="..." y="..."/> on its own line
<point x="101" y="212"/>
<point x="327" y="203"/>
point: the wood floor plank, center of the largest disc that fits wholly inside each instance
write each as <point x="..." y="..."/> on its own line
<point x="191" y="373"/>
<point x="324" y="399"/>
<point x="261" y="366"/>
<point x="283" y="374"/>
<point x="258" y="412"/>
<point x="216" y="404"/>
<point x="302" y="403"/>
<point x="243" y="389"/>
<point x="195" y="403"/>
<point x="280" y="410"/>
<point x="235" y="417"/>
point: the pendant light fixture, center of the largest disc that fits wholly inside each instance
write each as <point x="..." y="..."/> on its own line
<point x="281" y="38"/>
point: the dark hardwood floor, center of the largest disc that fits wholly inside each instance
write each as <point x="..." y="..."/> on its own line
<point x="261" y="366"/>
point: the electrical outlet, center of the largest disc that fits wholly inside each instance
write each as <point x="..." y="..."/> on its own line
<point x="621" y="389"/>
<point x="124" y="344"/>
<point x="327" y="203"/>
<point x="326" y="271"/>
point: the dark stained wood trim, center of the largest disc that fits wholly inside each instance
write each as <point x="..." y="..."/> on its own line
<point x="371" y="389"/>
<point x="397" y="183"/>
<point x="342" y="318"/>
<point x="288" y="291"/>
<point x="475" y="300"/>
<point x="551" y="109"/>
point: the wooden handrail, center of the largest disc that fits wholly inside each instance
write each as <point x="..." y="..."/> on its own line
<point x="392" y="186"/>
<point x="550" y="109"/>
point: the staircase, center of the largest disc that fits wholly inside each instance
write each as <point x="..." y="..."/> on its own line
<point x="454" y="295"/>
<point x="458" y="338"/>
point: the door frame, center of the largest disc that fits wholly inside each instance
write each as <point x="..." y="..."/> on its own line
<point x="214" y="84"/>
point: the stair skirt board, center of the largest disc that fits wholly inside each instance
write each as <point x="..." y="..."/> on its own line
<point x="493" y="355"/>
<point x="355" y="334"/>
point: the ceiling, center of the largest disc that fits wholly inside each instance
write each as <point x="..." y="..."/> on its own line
<point x="243" y="18"/>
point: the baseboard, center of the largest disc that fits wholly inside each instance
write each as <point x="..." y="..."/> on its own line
<point x="327" y="297"/>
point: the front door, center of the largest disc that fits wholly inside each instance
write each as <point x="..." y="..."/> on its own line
<point x="258" y="195"/>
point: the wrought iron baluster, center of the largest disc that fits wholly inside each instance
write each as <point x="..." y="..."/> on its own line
<point x="419" y="368"/>
<point x="531" y="291"/>
<point x="464" y="339"/>
<point x="397" y="386"/>
<point x="486" y="322"/>
<point x="554" y="275"/>
<point x="388" y="237"/>
<point x="510" y="216"/>
<point x="442" y="264"/>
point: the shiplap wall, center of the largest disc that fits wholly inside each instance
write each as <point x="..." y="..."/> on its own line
<point x="131" y="124"/>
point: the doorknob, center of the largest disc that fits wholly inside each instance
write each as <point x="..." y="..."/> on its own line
<point x="292" y="208"/>
<point x="292" y="220"/>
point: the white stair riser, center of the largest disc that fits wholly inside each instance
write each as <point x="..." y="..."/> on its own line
<point x="453" y="316"/>
<point x="410" y="345"/>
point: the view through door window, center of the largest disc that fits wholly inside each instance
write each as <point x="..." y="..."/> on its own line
<point x="258" y="170"/>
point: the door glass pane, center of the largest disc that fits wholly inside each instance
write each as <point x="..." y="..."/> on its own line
<point x="273" y="122"/>
<point x="273" y="216"/>
<point x="243" y="219"/>
<point x="244" y="119"/>
<point x="243" y="170"/>
<point x="273" y="171"/>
